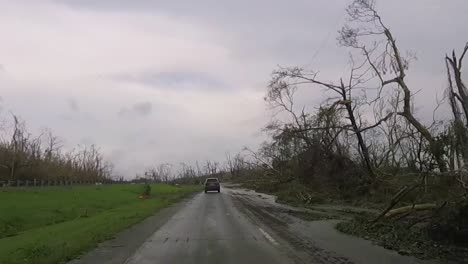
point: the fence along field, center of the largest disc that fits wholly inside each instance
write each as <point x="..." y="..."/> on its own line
<point x="43" y="183"/>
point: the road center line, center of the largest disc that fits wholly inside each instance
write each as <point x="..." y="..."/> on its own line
<point x="265" y="234"/>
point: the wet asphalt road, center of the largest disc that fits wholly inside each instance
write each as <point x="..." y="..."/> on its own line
<point x="237" y="226"/>
<point x="210" y="229"/>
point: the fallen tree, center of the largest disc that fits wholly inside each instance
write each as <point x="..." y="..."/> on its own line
<point x="410" y="208"/>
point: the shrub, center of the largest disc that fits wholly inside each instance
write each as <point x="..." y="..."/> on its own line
<point x="146" y="190"/>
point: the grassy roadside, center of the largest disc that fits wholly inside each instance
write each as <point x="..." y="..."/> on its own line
<point x="54" y="225"/>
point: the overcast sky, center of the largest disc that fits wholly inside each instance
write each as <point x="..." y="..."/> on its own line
<point x="176" y="81"/>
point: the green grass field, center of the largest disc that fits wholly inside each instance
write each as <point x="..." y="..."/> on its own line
<point x="55" y="224"/>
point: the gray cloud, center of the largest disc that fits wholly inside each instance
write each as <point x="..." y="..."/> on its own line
<point x="73" y="105"/>
<point x="251" y="29"/>
<point x="142" y="109"/>
<point x="173" y="80"/>
<point x="88" y="140"/>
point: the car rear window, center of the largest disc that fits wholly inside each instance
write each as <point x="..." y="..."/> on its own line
<point x="211" y="180"/>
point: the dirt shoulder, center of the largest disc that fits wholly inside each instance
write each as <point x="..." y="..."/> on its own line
<point x="125" y="243"/>
<point x="313" y="230"/>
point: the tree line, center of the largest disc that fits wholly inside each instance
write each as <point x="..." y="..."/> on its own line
<point x="24" y="156"/>
<point x="184" y="173"/>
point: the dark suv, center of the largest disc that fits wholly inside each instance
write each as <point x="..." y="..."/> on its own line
<point x="212" y="184"/>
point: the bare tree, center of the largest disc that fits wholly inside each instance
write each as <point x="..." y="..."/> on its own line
<point x="286" y="80"/>
<point x="52" y="147"/>
<point x="211" y="167"/>
<point x="234" y="164"/>
<point x="454" y="70"/>
<point x="160" y="173"/>
<point x="21" y="150"/>
<point x="384" y="57"/>
<point x="187" y="171"/>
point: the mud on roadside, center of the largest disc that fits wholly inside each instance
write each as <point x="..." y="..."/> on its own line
<point x="311" y="231"/>
<point x="278" y="219"/>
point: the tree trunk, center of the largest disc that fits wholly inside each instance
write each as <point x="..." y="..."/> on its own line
<point x="460" y="128"/>
<point x="462" y="91"/>
<point x="12" y="170"/>
<point x="361" y="142"/>
<point x="405" y="209"/>
<point x="436" y="151"/>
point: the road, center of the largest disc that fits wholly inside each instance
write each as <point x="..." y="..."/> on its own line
<point x="240" y="226"/>
<point x="209" y="230"/>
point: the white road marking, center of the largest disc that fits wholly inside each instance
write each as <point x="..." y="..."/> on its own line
<point x="272" y="240"/>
